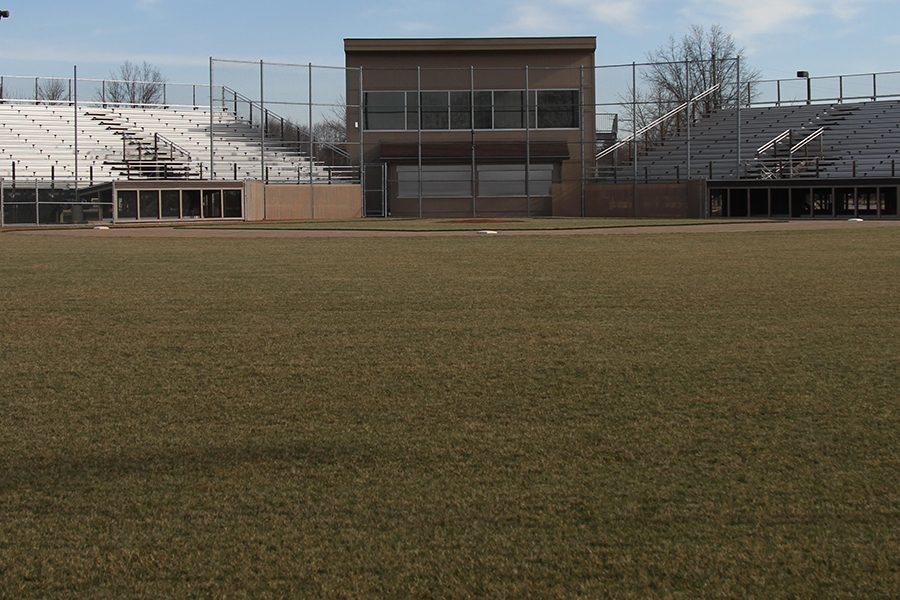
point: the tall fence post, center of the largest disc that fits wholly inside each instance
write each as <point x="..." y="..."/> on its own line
<point x="473" y="188"/>
<point x="312" y="148"/>
<point x="738" y="75"/>
<point x="581" y="121"/>
<point x="75" y="121"/>
<point x="361" y="124"/>
<point x="262" y="123"/>
<point x="690" y="116"/>
<point x="634" y="138"/>
<point x="212" y="152"/>
<point x="419" y="132"/>
<point x="527" y="144"/>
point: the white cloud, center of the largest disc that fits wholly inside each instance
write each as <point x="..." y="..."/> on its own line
<point x="531" y="19"/>
<point x="608" y="12"/>
<point x="749" y="20"/>
<point x="568" y="16"/>
<point x="36" y="53"/>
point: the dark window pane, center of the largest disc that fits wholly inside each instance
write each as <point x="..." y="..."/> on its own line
<point x="17" y="214"/>
<point x="435" y="113"/>
<point x="532" y="109"/>
<point x="384" y="110"/>
<point x="483" y="104"/>
<point x="212" y="204"/>
<point x="412" y="110"/>
<point x="460" y="110"/>
<point x="190" y="204"/>
<point x="150" y="205"/>
<point x="509" y="110"/>
<point x="54" y="213"/>
<point x="557" y="109"/>
<point x="19" y="195"/>
<point x="126" y="204"/>
<point x="233" y="204"/>
<point x="171" y="202"/>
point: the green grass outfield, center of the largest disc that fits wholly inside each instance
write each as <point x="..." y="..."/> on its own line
<point x="705" y="415"/>
<point x="467" y="224"/>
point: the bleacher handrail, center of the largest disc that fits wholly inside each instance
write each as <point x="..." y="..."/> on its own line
<point x="657" y="122"/>
<point x="255" y="103"/>
<point x="800" y="145"/>
<point x="773" y="142"/>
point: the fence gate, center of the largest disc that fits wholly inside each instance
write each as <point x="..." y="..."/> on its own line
<point x="375" y="191"/>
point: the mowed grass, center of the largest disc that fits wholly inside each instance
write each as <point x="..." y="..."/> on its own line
<point x="701" y="415"/>
<point x="466" y="224"/>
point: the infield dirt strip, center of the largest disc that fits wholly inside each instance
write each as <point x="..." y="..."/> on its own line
<point x="215" y="232"/>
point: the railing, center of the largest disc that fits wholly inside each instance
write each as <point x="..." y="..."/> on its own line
<point x="285" y="129"/>
<point x="657" y="122"/>
<point x="61" y="90"/>
<point x="804" y="168"/>
<point x="827" y="89"/>
<point x="607" y="124"/>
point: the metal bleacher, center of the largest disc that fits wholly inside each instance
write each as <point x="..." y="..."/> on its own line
<point x="38" y="141"/>
<point x="858" y="139"/>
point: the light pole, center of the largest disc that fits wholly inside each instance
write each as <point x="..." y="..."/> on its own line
<point x="805" y="75"/>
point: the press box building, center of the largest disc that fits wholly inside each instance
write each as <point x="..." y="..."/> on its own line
<point x="471" y="127"/>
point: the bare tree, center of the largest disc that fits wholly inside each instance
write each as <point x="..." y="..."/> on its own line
<point x="53" y="90"/>
<point x="333" y="128"/>
<point x="134" y="84"/>
<point x="684" y="68"/>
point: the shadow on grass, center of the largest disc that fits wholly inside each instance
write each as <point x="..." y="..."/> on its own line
<point x="182" y="463"/>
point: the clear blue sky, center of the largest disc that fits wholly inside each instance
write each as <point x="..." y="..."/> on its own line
<point x="46" y="37"/>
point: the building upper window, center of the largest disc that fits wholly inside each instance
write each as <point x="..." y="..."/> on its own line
<point x="385" y="110"/>
<point x="496" y="109"/>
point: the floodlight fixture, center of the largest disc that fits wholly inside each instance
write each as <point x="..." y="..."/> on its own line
<point x="4" y="14"/>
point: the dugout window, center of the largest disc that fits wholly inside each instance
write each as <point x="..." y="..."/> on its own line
<point x="171" y="204"/>
<point x="890" y="201"/>
<point x="800" y="202"/>
<point x="212" y="204"/>
<point x="149" y="204"/>
<point x="845" y="202"/>
<point x="738" y="203"/>
<point x="823" y="202"/>
<point x="716" y="202"/>
<point x="126" y="204"/>
<point x="780" y="202"/>
<point x="759" y="202"/>
<point x="232" y="204"/>
<point x="190" y="204"/>
<point x="868" y="202"/>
